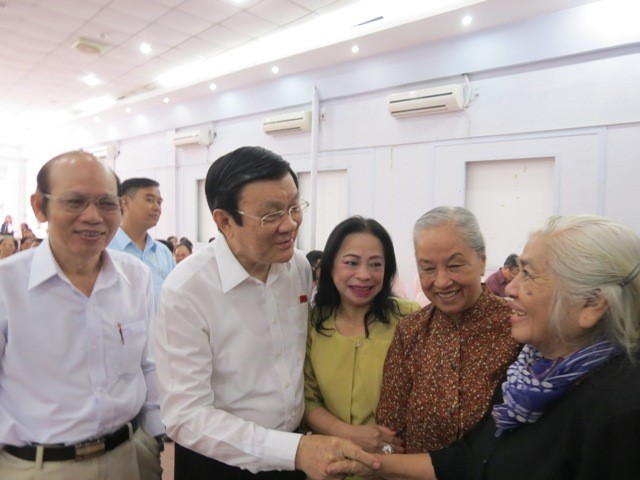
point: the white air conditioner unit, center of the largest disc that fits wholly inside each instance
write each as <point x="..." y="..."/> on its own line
<point x="448" y="98"/>
<point x="289" y="122"/>
<point x="101" y="152"/>
<point x="193" y="137"/>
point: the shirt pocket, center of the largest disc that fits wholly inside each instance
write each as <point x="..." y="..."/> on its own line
<point x="133" y="338"/>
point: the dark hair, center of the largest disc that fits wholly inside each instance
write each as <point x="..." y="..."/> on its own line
<point x="188" y="246"/>
<point x="314" y="257"/>
<point x="131" y="185"/>
<point x="43" y="179"/>
<point x="185" y="241"/>
<point x="327" y="299"/>
<point x="166" y="243"/>
<point x="229" y="173"/>
<point x="511" y="261"/>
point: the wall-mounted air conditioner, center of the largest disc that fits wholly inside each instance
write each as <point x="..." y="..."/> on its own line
<point x="193" y="137"/>
<point x="109" y="151"/>
<point x="289" y="122"/>
<point x="448" y="98"/>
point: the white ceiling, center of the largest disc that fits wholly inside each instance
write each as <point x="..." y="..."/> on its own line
<point x="40" y="72"/>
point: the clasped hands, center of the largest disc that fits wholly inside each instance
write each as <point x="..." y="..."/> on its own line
<point x="324" y="457"/>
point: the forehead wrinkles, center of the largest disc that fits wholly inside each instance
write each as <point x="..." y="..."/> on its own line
<point x="81" y="174"/>
<point x="276" y="194"/>
<point x="534" y="255"/>
<point x="455" y="256"/>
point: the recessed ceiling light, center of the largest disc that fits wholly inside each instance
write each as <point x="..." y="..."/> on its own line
<point x="355" y="49"/>
<point x="212" y="86"/>
<point x="91" y="80"/>
<point x="165" y="99"/>
<point x="93" y="104"/>
<point x="127" y="110"/>
<point x="145" y="48"/>
<point x="96" y="119"/>
<point x="319" y="32"/>
<point x="466" y="20"/>
<point x="275" y="69"/>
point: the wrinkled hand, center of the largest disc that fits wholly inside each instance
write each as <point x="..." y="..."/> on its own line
<point x="316" y="452"/>
<point x="352" y="468"/>
<point x="373" y="437"/>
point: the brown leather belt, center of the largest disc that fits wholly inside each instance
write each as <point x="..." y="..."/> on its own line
<point x="79" y="451"/>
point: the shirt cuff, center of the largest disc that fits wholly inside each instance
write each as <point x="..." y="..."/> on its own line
<point x="150" y="422"/>
<point x="280" y="448"/>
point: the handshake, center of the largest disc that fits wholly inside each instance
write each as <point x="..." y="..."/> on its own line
<point x="324" y="457"/>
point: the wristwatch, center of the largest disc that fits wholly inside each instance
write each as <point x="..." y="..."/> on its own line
<point x="161" y="439"/>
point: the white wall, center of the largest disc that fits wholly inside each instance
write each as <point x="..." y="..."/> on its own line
<point x="398" y="169"/>
<point x="13" y="186"/>
<point x="574" y="100"/>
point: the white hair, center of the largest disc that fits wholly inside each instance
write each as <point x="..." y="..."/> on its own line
<point x="461" y="219"/>
<point x="596" y="256"/>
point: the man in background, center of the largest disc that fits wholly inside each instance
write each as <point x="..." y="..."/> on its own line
<point x="498" y="281"/>
<point x="78" y="391"/>
<point x="231" y="332"/>
<point x="142" y="206"/>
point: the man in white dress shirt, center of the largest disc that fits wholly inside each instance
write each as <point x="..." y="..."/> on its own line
<point x="231" y="333"/>
<point x="78" y="391"/>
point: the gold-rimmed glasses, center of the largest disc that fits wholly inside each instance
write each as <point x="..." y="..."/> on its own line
<point x="77" y="203"/>
<point x="294" y="211"/>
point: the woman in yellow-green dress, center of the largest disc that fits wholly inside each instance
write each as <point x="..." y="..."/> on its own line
<point x="351" y="327"/>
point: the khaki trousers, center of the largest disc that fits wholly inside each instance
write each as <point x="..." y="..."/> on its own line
<point x="136" y="459"/>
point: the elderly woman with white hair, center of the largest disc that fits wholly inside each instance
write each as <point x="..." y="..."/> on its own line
<point x="570" y="405"/>
<point x="446" y="360"/>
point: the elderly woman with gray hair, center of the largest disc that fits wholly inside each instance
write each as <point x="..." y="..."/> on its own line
<point x="446" y="359"/>
<point x="570" y="405"/>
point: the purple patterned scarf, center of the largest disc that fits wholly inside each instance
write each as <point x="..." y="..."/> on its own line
<point x="534" y="383"/>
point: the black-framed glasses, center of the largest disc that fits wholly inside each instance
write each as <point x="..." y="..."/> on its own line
<point x="294" y="211"/>
<point x="76" y="203"/>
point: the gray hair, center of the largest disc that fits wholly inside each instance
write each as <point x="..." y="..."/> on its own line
<point x="593" y="255"/>
<point x="460" y="218"/>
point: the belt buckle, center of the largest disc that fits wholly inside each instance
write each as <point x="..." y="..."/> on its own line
<point x="86" y="450"/>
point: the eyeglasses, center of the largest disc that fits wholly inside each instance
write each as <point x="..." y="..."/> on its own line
<point x="75" y="203"/>
<point x="275" y="217"/>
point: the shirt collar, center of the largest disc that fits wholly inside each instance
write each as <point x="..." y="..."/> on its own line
<point x="123" y="240"/>
<point x="44" y="266"/>
<point x="232" y="273"/>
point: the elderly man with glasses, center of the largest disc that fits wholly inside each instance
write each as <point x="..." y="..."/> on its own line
<point x="231" y="334"/>
<point x="78" y="391"/>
